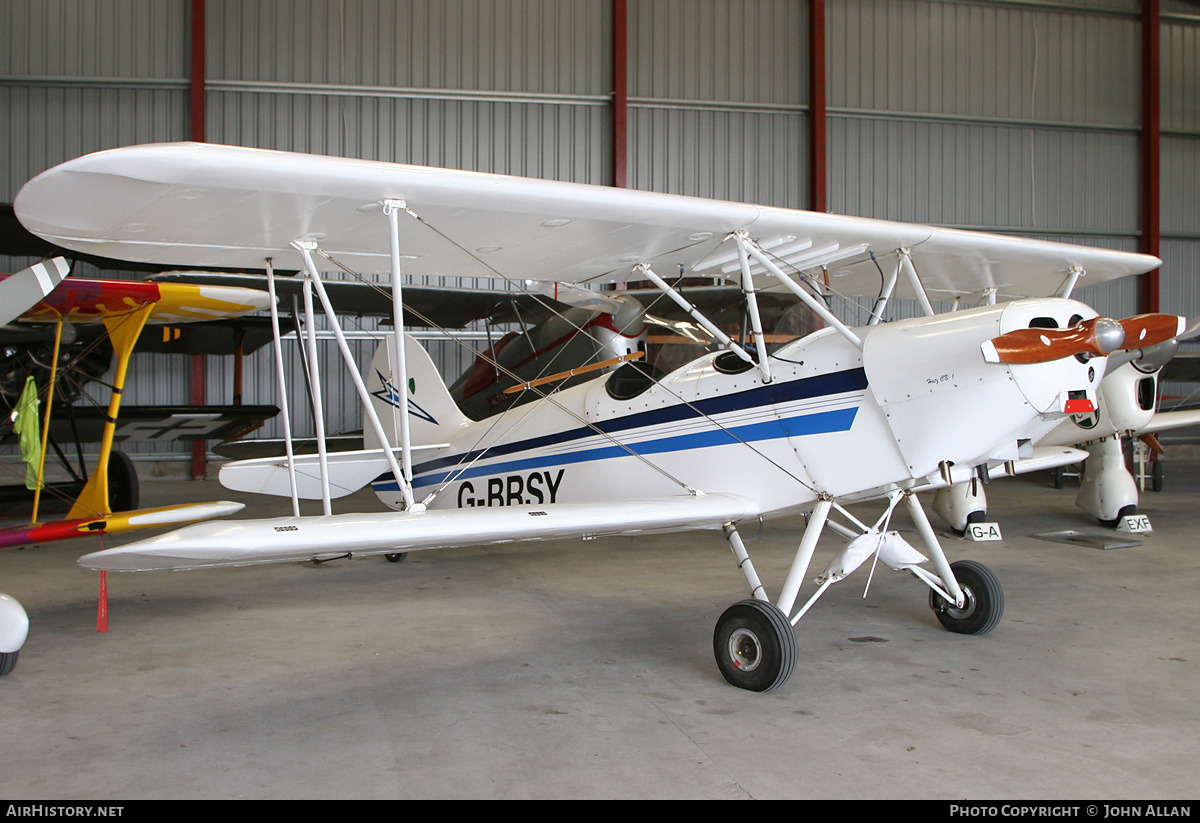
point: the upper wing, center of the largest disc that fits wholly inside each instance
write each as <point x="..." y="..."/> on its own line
<point x="230" y="207"/>
<point x="79" y="300"/>
<point x="428" y="306"/>
<point x="438" y="306"/>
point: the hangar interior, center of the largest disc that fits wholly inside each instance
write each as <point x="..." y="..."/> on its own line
<point x="496" y="672"/>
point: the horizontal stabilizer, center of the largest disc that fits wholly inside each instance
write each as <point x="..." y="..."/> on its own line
<point x="349" y="471"/>
<point x="291" y="539"/>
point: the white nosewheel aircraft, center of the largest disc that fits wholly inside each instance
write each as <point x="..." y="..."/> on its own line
<point x="873" y="412"/>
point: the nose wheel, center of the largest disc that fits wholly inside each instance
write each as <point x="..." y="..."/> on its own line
<point x="755" y="646"/>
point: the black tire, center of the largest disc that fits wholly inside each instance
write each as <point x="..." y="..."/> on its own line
<point x="985" y="600"/>
<point x="1156" y="476"/>
<point x="972" y="517"/>
<point x="755" y="646"/>
<point x="123" y="490"/>
<point x="7" y="661"/>
<point x="396" y="557"/>
<point x="1127" y="511"/>
<point x="1057" y="476"/>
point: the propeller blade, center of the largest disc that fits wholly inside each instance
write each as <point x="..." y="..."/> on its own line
<point x="1097" y="337"/>
<point x="1145" y="330"/>
<point x="1151" y="440"/>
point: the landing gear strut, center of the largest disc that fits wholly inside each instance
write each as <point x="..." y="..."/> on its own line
<point x="754" y="643"/>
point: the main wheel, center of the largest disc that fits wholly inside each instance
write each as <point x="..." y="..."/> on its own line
<point x="123" y="489"/>
<point x="755" y="646"/>
<point x="984" y="604"/>
<point x="7" y="661"/>
<point x="396" y="557"/>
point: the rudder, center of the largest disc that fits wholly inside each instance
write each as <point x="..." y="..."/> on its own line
<point x="433" y="416"/>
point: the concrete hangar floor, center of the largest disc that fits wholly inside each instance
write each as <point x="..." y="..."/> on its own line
<point x="585" y="670"/>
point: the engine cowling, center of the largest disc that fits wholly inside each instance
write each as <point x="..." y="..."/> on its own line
<point x="930" y="374"/>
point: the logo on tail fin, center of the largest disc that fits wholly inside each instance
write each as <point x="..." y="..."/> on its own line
<point x="391" y="395"/>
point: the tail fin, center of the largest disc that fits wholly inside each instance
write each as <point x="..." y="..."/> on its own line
<point x="433" y="416"/>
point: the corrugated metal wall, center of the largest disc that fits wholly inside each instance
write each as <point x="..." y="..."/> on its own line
<point x="1020" y="118"/>
<point x="1181" y="161"/>
<point x="718" y="99"/>
<point x="513" y="87"/>
<point x="1016" y="115"/>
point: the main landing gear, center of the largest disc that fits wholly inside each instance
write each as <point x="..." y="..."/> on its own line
<point x="755" y="646"/>
<point x="983" y="600"/>
<point x="754" y="641"/>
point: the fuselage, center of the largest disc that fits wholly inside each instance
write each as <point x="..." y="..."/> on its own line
<point x="916" y="400"/>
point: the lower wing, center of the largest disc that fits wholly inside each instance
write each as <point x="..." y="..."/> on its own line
<point x="29" y="533"/>
<point x="292" y="539"/>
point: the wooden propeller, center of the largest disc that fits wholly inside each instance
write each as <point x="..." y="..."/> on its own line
<point x="1145" y="330"/>
<point x="1097" y="337"/>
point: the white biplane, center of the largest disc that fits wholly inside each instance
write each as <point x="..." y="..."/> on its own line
<point x="872" y="412"/>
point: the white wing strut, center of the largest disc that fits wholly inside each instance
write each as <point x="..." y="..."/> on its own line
<point x="314" y="378"/>
<point x="1072" y="279"/>
<point x="754" y="251"/>
<point x="306" y="248"/>
<point x="392" y="209"/>
<point x="764" y="362"/>
<point x="885" y="294"/>
<point x="915" y="281"/>
<point x="280" y="376"/>
<point x="695" y="313"/>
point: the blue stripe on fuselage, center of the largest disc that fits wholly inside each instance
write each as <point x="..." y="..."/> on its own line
<point x="775" y="393"/>
<point x="817" y="423"/>
<point x="772" y="394"/>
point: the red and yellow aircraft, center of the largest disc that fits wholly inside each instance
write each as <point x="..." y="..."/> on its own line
<point x="124" y="307"/>
<point x="41" y="295"/>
